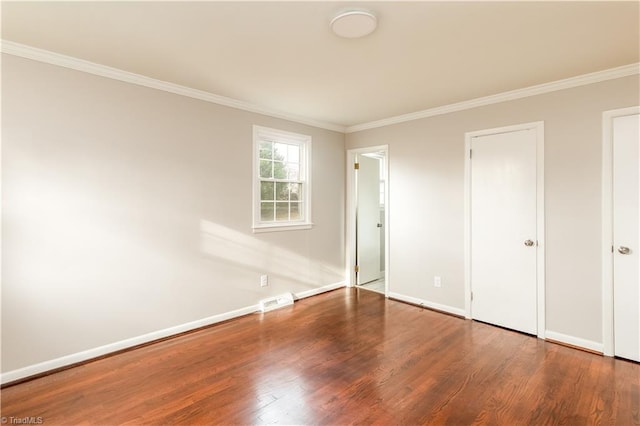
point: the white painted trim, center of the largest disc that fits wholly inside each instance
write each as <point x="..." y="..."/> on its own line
<point x="540" y="225"/>
<point x="89" y="354"/>
<point x="122" y="344"/>
<point x="574" y="341"/>
<point x="607" y="225"/>
<point x="427" y="304"/>
<point x="350" y="255"/>
<point x="567" y="83"/>
<point x="467" y="226"/>
<point x="319" y="290"/>
<point x="387" y="222"/>
<point x="277" y="228"/>
<point x="541" y="258"/>
<point x="41" y="55"/>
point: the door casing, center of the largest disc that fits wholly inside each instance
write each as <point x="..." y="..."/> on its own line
<point x="607" y="224"/>
<point x="540" y="229"/>
<point x="351" y="259"/>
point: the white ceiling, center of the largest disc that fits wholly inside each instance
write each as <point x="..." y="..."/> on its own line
<point x="282" y="56"/>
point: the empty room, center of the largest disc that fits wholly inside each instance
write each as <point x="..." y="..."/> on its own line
<point x="311" y="212"/>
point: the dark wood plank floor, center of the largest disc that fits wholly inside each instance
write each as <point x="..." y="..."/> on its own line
<point x="346" y="357"/>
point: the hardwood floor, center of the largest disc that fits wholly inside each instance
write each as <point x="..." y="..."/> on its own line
<point x="345" y="357"/>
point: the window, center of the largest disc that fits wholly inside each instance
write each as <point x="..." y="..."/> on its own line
<point x="282" y="188"/>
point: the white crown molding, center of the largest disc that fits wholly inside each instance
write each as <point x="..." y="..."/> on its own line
<point x="567" y="83"/>
<point x="41" y="55"/>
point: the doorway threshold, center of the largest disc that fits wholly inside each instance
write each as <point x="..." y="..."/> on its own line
<point x="377" y="286"/>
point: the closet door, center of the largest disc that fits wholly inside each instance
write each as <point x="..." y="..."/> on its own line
<point x="504" y="229"/>
<point x="626" y="236"/>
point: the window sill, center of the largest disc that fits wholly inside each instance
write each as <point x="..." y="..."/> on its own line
<point x="281" y="227"/>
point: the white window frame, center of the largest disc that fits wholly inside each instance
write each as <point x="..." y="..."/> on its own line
<point x="304" y="142"/>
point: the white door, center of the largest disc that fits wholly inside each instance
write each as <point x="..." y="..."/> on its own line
<point x="368" y="226"/>
<point x="503" y="229"/>
<point x="626" y="236"/>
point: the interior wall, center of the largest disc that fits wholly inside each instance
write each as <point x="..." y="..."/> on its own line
<point x="426" y="208"/>
<point x="127" y="210"/>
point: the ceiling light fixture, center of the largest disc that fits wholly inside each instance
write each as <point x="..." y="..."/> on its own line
<point x="354" y="23"/>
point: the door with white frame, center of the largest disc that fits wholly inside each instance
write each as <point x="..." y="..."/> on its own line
<point x="621" y="233"/>
<point x="367" y="218"/>
<point x="504" y="232"/>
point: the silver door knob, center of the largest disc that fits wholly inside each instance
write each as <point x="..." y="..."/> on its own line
<point x="528" y="243"/>
<point x="624" y="250"/>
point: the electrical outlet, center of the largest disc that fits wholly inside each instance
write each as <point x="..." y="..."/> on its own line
<point x="437" y="282"/>
<point x="264" y="280"/>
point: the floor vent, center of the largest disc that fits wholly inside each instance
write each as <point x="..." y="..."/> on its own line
<point x="276" y="302"/>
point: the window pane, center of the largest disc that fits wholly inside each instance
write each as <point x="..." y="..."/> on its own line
<point x="279" y="185"/>
<point x="266" y="150"/>
<point x="293" y="171"/>
<point x="266" y="211"/>
<point x="293" y="153"/>
<point x="282" y="211"/>
<point x="296" y="190"/>
<point x="266" y="169"/>
<point x="279" y="170"/>
<point x="282" y="191"/>
<point x="280" y="152"/>
<point x="296" y="211"/>
<point x="266" y="191"/>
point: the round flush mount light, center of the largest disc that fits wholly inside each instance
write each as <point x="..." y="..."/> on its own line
<point x="354" y="23"/>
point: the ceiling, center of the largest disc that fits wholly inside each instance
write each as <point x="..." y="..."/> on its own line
<point x="282" y="55"/>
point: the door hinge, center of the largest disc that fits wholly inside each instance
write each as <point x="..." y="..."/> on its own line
<point x="471" y="296"/>
<point x="611" y="249"/>
<point x="470" y="153"/>
<point x="356" y="166"/>
<point x="356" y="268"/>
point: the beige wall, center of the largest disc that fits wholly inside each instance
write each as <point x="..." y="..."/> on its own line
<point x="127" y="210"/>
<point x="426" y="161"/>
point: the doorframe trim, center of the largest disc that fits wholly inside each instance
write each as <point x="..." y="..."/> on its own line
<point x="540" y="218"/>
<point x="607" y="224"/>
<point x="350" y="275"/>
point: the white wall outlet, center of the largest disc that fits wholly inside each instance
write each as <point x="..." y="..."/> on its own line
<point x="264" y="280"/>
<point x="437" y="282"/>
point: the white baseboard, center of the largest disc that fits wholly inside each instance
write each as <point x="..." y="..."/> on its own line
<point x="427" y="304"/>
<point x="316" y="291"/>
<point x="64" y="361"/>
<point x="574" y="341"/>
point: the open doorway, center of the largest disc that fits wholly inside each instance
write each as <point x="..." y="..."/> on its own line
<point x="367" y="257"/>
